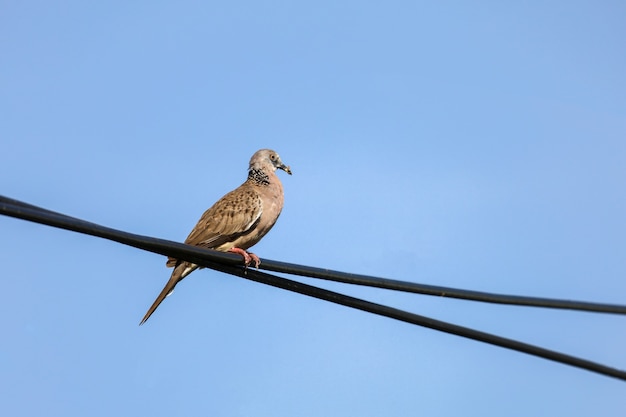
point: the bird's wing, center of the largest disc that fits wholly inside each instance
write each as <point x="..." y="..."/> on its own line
<point x="234" y="215"/>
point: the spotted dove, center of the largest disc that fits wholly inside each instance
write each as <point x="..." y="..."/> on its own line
<point x="237" y="221"/>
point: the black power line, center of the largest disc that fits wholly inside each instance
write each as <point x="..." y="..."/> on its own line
<point x="413" y="287"/>
<point x="231" y="264"/>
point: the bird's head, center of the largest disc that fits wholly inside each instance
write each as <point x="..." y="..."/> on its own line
<point x="268" y="159"/>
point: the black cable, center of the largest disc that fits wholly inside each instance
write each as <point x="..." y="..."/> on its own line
<point x="301" y="270"/>
<point x="413" y="287"/>
<point x="227" y="263"/>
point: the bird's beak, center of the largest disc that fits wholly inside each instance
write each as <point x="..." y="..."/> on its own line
<point x="285" y="168"/>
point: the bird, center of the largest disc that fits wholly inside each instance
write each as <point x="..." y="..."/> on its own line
<point x="237" y="221"/>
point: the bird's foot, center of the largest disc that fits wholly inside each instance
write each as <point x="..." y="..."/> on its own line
<point x="247" y="257"/>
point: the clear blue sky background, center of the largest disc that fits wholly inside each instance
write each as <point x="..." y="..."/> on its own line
<point x="479" y="145"/>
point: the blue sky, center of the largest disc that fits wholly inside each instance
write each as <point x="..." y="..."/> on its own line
<point x="478" y="145"/>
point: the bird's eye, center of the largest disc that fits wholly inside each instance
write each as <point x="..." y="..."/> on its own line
<point x="272" y="157"/>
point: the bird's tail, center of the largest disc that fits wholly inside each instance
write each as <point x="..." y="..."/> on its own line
<point x="181" y="271"/>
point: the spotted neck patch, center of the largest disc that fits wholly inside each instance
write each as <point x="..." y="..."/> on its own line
<point x="258" y="176"/>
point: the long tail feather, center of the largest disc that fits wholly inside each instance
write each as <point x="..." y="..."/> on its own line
<point x="180" y="272"/>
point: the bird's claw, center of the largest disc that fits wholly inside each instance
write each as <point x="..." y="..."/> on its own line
<point x="247" y="257"/>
